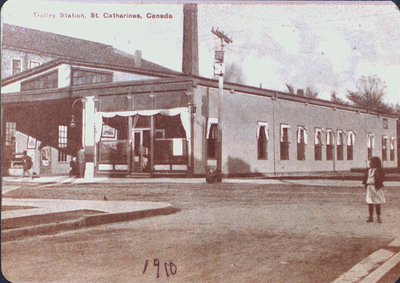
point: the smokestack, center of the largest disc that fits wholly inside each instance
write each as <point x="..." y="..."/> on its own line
<point x="190" y="52"/>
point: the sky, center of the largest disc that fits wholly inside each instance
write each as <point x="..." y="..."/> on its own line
<point x="327" y="46"/>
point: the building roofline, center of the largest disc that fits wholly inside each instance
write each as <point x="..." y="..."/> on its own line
<point x="193" y="80"/>
<point x="59" y="61"/>
<point x="55" y="46"/>
<point x="273" y="94"/>
<point x="103" y="89"/>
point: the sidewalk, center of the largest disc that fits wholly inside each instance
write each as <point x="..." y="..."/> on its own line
<point x="375" y="266"/>
<point x="47" y="216"/>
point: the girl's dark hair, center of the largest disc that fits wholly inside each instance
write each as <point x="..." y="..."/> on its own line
<point x="376" y="162"/>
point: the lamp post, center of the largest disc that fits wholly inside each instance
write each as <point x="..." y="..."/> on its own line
<point x="219" y="71"/>
<point x="72" y="123"/>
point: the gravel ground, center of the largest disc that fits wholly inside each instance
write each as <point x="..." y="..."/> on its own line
<point x="224" y="233"/>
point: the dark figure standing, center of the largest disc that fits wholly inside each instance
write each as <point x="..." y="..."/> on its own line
<point x="26" y="164"/>
<point x="373" y="182"/>
<point x="73" y="168"/>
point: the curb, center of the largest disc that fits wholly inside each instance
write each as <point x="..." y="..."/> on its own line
<point x="374" y="267"/>
<point x="83" y="222"/>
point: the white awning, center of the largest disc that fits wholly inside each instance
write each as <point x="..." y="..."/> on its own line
<point x="301" y="129"/>
<point x="351" y="138"/>
<point x="329" y="137"/>
<point x="210" y="121"/>
<point x="182" y="111"/>
<point x="340" y="137"/>
<point x="284" y="126"/>
<point x="265" y="125"/>
<point x="318" y="136"/>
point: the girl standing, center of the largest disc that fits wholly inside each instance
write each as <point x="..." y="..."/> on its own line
<point x="373" y="182"/>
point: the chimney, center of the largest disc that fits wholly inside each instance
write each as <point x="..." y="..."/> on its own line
<point x="138" y="59"/>
<point x="300" y="92"/>
<point x="190" y="48"/>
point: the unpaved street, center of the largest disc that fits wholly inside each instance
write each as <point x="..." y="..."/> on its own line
<point x="223" y="233"/>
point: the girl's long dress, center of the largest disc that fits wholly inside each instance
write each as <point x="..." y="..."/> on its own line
<point x="373" y="196"/>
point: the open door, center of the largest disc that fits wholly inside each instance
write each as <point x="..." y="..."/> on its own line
<point x="141" y="150"/>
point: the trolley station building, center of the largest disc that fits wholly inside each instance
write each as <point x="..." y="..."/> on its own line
<point x="143" y="119"/>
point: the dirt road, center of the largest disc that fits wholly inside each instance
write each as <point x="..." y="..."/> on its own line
<point x="224" y="233"/>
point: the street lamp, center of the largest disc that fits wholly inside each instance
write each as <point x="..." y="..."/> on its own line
<point x="72" y="123"/>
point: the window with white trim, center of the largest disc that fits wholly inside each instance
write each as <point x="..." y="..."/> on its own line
<point x="33" y="64"/>
<point x="16" y="66"/>
<point x="318" y="144"/>
<point x="385" y="140"/>
<point x="392" y="147"/>
<point x="339" y="145"/>
<point x="370" y="144"/>
<point x="212" y="138"/>
<point x="302" y="139"/>
<point x="329" y="144"/>
<point x="285" y="141"/>
<point x="262" y="140"/>
<point x="10" y="138"/>
<point x="11" y="130"/>
<point x="85" y="77"/>
<point x="62" y="142"/>
<point x="48" y="80"/>
<point x="350" y="144"/>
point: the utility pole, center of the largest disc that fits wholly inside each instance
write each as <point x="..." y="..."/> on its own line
<point x="219" y="71"/>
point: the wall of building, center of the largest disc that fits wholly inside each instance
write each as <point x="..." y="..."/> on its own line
<point x="241" y="112"/>
<point x="142" y="101"/>
<point x="9" y="54"/>
<point x="56" y="167"/>
<point x="64" y="79"/>
<point x="44" y="120"/>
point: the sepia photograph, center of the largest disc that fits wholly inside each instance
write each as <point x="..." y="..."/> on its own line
<point x="200" y="141"/>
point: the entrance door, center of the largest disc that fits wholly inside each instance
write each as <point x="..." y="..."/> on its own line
<point x="45" y="160"/>
<point x="141" y="150"/>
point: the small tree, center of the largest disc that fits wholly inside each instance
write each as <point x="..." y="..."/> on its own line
<point x="396" y="109"/>
<point x="336" y="99"/>
<point x="311" y="92"/>
<point x="369" y="94"/>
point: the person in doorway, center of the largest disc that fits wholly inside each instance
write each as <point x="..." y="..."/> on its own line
<point x="373" y="182"/>
<point x="73" y="170"/>
<point x="26" y="165"/>
<point x="80" y="158"/>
